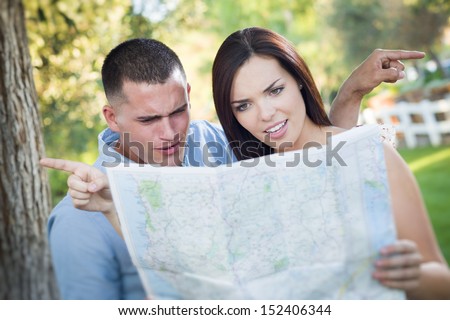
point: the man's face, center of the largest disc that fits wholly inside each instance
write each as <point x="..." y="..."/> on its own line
<point x="152" y="121"/>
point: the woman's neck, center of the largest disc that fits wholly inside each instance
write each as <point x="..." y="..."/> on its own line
<point x="313" y="135"/>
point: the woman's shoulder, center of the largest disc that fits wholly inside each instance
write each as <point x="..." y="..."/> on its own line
<point x="356" y="133"/>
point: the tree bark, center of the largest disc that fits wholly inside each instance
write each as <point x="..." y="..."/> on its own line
<point x="25" y="264"/>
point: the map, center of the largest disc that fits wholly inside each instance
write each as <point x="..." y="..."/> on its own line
<point x="300" y="225"/>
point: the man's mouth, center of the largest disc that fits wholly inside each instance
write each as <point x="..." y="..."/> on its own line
<point x="170" y="149"/>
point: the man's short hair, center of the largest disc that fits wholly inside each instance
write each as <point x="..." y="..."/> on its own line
<point x="138" y="60"/>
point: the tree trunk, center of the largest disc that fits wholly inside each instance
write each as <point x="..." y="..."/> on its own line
<point x="25" y="264"/>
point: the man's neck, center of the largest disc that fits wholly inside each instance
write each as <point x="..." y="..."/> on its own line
<point x="118" y="147"/>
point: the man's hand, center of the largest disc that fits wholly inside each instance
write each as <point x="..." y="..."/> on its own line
<point x="380" y="66"/>
<point x="88" y="186"/>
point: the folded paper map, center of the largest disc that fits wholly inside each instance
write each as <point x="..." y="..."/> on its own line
<point x="299" y="225"/>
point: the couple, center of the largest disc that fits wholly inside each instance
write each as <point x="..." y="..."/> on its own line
<point x="262" y="89"/>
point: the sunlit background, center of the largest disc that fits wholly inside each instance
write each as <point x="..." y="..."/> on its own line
<point x="69" y="39"/>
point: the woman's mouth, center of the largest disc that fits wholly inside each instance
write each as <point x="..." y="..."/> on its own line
<point x="278" y="130"/>
<point x="277" y="127"/>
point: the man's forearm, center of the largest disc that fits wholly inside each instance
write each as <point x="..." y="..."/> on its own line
<point x="113" y="218"/>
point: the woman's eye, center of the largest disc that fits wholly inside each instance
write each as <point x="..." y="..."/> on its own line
<point x="276" y="91"/>
<point x="242" y="107"/>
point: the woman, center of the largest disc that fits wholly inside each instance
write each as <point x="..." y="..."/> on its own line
<point x="267" y="102"/>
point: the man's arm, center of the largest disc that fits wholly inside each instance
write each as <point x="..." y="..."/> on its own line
<point x="380" y="66"/>
<point x="83" y="254"/>
<point x="88" y="188"/>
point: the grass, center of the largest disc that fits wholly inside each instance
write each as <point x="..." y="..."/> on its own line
<point x="431" y="166"/>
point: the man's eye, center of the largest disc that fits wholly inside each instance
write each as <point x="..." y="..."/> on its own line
<point x="180" y="111"/>
<point x="242" y="107"/>
<point x="148" y="120"/>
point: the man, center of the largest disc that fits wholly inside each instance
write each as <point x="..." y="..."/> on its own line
<point x="149" y="122"/>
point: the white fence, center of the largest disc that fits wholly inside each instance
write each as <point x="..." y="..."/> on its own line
<point x="414" y="120"/>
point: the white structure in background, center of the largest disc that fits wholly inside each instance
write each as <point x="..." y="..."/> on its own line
<point x="414" y="120"/>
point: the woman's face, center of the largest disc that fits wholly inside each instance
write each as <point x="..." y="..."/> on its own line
<point x="266" y="100"/>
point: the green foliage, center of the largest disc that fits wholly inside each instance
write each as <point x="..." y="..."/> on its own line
<point x="229" y="16"/>
<point x="68" y="41"/>
<point x="363" y="25"/>
<point x="359" y="26"/>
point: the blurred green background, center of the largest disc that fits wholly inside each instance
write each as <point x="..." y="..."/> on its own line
<point x="69" y="39"/>
<point x="431" y="166"/>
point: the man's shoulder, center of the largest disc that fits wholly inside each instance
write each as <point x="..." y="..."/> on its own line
<point x="107" y="155"/>
<point x="206" y="128"/>
<point x="107" y="136"/>
<point x="206" y="145"/>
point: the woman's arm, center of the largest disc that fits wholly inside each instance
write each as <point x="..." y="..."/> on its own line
<point x="415" y="263"/>
<point x="380" y="66"/>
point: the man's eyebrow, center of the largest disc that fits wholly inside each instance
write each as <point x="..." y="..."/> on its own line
<point x="148" y="118"/>
<point x="156" y="117"/>
<point x="271" y="85"/>
<point x="184" y="106"/>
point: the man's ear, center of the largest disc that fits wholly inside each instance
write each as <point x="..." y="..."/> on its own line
<point x="111" y="118"/>
<point x="188" y="89"/>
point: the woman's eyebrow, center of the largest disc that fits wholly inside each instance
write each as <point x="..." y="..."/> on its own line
<point x="265" y="90"/>
<point x="271" y="85"/>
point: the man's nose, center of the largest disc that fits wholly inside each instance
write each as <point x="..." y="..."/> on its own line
<point x="167" y="129"/>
